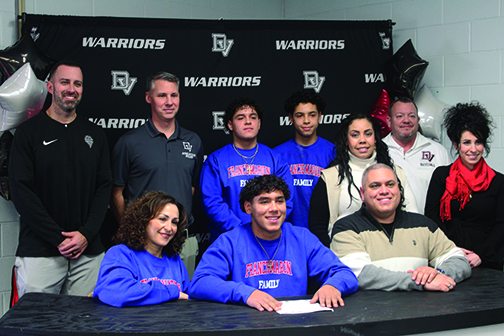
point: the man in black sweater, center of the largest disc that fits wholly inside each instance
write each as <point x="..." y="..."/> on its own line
<point x="60" y="181"/>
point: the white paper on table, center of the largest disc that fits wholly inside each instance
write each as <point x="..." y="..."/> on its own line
<point x="300" y="307"/>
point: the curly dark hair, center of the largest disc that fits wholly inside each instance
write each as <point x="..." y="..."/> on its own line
<point x="262" y="184"/>
<point x="472" y="117"/>
<point x="304" y="97"/>
<point x="237" y="105"/>
<point x="343" y="157"/>
<point x="132" y="230"/>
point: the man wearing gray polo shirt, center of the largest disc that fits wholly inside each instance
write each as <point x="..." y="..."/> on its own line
<point x="159" y="155"/>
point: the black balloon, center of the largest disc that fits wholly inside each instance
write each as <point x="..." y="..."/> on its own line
<point x="404" y="71"/>
<point x="21" y="52"/>
<point x="5" y="145"/>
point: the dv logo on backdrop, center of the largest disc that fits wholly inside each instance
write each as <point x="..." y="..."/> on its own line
<point x="218" y="121"/>
<point x="34" y="33"/>
<point x="312" y="80"/>
<point x="221" y="44"/>
<point x="121" y="80"/>
<point x="385" y="41"/>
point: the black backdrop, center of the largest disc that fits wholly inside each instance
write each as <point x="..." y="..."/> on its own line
<point x="217" y="61"/>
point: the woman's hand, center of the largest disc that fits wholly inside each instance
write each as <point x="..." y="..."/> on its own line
<point x="473" y="258"/>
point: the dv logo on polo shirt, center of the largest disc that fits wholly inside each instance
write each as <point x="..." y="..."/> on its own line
<point x="426" y="160"/>
<point x="188" y="147"/>
<point x="427" y="156"/>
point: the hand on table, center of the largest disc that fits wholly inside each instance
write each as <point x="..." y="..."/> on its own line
<point x="423" y="275"/>
<point x="328" y="296"/>
<point x="442" y="283"/>
<point x="262" y="300"/>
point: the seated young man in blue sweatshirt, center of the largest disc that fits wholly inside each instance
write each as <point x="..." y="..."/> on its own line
<point x="267" y="258"/>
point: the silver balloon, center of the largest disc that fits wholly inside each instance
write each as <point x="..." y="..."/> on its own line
<point x="22" y="96"/>
<point x="430" y="112"/>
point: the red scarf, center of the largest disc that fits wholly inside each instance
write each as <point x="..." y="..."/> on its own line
<point x="462" y="182"/>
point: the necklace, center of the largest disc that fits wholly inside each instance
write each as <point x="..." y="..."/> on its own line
<point x="245" y="158"/>
<point x="270" y="260"/>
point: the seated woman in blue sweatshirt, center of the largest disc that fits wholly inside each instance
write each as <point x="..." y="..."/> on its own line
<point x="145" y="268"/>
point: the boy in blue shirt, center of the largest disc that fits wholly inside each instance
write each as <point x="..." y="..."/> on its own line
<point x="228" y="169"/>
<point x="267" y="258"/>
<point x="307" y="154"/>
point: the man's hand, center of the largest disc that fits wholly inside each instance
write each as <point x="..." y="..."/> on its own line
<point x="423" y="275"/>
<point x="74" y="244"/>
<point x="328" y="296"/>
<point x="183" y="296"/>
<point x="262" y="300"/>
<point x="442" y="283"/>
<point x="473" y="258"/>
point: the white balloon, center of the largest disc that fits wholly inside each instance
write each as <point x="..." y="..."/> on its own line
<point x="430" y="112"/>
<point x="22" y="96"/>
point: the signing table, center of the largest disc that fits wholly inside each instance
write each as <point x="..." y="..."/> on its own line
<point x="478" y="301"/>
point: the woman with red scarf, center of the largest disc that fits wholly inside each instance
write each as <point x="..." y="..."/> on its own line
<point x="466" y="198"/>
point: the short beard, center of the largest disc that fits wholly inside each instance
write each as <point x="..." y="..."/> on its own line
<point x="66" y="107"/>
<point x="406" y="136"/>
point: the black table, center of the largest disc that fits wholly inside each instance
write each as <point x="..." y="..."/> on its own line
<point x="478" y="301"/>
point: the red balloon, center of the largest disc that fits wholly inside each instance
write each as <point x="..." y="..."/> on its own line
<point x="379" y="111"/>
